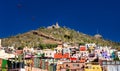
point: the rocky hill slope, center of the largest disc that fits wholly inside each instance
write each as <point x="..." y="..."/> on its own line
<point x="54" y="35"/>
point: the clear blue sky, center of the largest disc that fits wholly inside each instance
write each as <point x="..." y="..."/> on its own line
<point x="19" y="16"/>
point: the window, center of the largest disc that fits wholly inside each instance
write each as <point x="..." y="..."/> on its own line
<point x="108" y="63"/>
<point x="104" y="63"/>
<point x="89" y="67"/>
<point x="118" y="53"/>
<point x="55" y="49"/>
<point x="93" y="67"/>
<point x="74" y="64"/>
<point x="97" y="67"/>
<point x="117" y="62"/>
<point x="58" y="50"/>
<point x="78" y="65"/>
<point x="86" y="67"/>
<point x="113" y="62"/>
<point x="66" y="65"/>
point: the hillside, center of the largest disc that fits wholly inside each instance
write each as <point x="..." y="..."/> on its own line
<point x="53" y="36"/>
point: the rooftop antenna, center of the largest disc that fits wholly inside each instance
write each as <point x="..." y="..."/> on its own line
<point x="97" y="31"/>
<point x="97" y="28"/>
<point x="98" y="35"/>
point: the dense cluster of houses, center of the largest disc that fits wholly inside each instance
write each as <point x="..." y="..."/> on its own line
<point x="65" y="57"/>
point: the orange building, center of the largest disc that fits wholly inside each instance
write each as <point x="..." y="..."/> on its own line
<point x="60" y="55"/>
<point x="66" y="55"/>
<point x="72" y="58"/>
<point x="82" y="60"/>
<point x="82" y="48"/>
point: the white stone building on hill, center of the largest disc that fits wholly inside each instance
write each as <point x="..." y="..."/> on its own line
<point x="54" y="26"/>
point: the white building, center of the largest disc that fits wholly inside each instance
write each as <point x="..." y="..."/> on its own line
<point x="66" y="50"/>
<point x="118" y="53"/>
<point x="90" y="45"/>
<point x="49" y="53"/>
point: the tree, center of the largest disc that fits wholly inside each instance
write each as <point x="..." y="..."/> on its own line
<point x="20" y="58"/>
<point x="42" y="46"/>
<point x="81" y="43"/>
<point x="116" y="59"/>
<point x="42" y="55"/>
<point x="68" y="70"/>
<point x="20" y="48"/>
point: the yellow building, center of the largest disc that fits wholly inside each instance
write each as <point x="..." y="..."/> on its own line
<point x="90" y="67"/>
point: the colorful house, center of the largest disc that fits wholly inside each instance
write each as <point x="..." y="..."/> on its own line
<point x="110" y="65"/>
<point x="66" y="50"/>
<point x="60" y="55"/>
<point x="48" y="53"/>
<point x="82" y="60"/>
<point x="83" y="48"/>
<point x="118" y="54"/>
<point x="90" y="67"/>
<point x="70" y="66"/>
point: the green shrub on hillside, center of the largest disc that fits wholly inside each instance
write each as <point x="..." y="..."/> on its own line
<point x="49" y="46"/>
